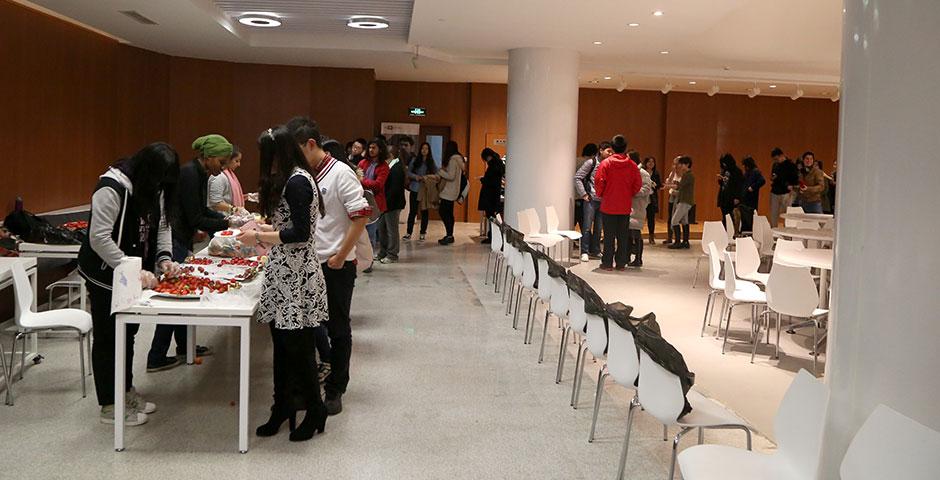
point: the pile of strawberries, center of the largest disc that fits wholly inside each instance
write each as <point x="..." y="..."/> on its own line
<point x="200" y="261"/>
<point x="192" y="285"/>
<point x="73" y="226"/>
<point x="243" y="262"/>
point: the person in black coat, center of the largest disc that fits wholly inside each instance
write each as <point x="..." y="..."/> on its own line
<point x="492" y="181"/>
<point x="730" y="182"/>
<point x="389" y="243"/>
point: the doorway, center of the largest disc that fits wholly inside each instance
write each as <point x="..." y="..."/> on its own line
<point x="437" y="137"/>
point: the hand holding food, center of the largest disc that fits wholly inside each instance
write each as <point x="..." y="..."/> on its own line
<point x="169" y="268"/>
<point x="147" y="279"/>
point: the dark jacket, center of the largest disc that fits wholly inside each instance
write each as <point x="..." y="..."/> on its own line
<point x="783" y="175"/>
<point x="730" y="187"/>
<point x="753" y="180"/>
<point x="395" y="187"/>
<point x="193" y="188"/>
<point x="654" y="197"/>
<point x="492" y="185"/>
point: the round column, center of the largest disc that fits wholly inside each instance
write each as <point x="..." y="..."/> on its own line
<point x="542" y="132"/>
<point x="884" y="323"/>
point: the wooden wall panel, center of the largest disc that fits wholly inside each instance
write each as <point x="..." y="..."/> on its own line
<point x="448" y="104"/>
<point x="487" y="117"/>
<point x="639" y="115"/>
<point x="342" y="101"/>
<point x="141" y="110"/>
<point x="201" y="101"/>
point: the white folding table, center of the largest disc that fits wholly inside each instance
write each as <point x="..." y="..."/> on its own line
<point x="192" y="313"/>
<point x="821" y="235"/>
<point x="43" y="250"/>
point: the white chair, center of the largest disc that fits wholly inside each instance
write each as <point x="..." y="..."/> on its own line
<point x="747" y="261"/>
<point x="798" y="425"/>
<point x="792" y="291"/>
<point x="495" y="254"/>
<point x="659" y="391"/>
<point x="784" y="246"/>
<point x="558" y="306"/>
<point x="792" y="223"/>
<point x="28" y="322"/>
<point x="545" y="289"/>
<point x="516" y="265"/>
<point x="510" y="252"/>
<point x="72" y="284"/>
<point x="890" y="445"/>
<point x="577" y="318"/>
<point x="735" y="296"/>
<point x="729" y="227"/>
<point x="763" y="235"/>
<point x="529" y="225"/>
<point x="712" y="232"/>
<point x="717" y="286"/>
<point x="623" y="365"/>
<point x="551" y="221"/>
<point x="595" y="342"/>
<point x="527" y="285"/>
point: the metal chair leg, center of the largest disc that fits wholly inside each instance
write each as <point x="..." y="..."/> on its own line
<point x="579" y="373"/>
<point x="81" y="358"/>
<point x="527" y="335"/>
<point x="601" y="375"/>
<point x="6" y="375"/>
<point x="10" y="395"/>
<point x="708" y="303"/>
<point x="675" y="451"/>
<point x="727" y="326"/>
<point x="665" y="433"/>
<point x="515" y="316"/>
<point x="561" y="355"/>
<point x="626" y="439"/>
<point x="544" y="334"/>
<point x="486" y="276"/>
<point x="698" y="264"/>
<point x="22" y="353"/>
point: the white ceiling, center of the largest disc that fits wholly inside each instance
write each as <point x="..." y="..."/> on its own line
<point x="735" y="44"/>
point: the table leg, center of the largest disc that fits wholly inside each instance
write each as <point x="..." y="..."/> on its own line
<point x="243" y="387"/>
<point x="82" y="301"/>
<point x="120" y="359"/>
<point x="823" y="288"/>
<point x="33" y="337"/>
<point x="190" y="344"/>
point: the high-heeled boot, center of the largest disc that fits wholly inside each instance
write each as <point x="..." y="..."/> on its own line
<point x="314" y="422"/>
<point x="677" y="233"/>
<point x="685" y="235"/>
<point x="279" y="413"/>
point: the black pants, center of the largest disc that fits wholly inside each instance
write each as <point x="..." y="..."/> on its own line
<point x="578" y="213"/>
<point x="636" y="244"/>
<point x="102" y="348"/>
<point x="651" y="211"/>
<point x="295" y="369"/>
<point x="616" y="228"/>
<point x="164" y="334"/>
<point x="413" y="206"/>
<point x="339" y="291"/>
<point x="321" y="338"/>
<point x="447" y="216"/>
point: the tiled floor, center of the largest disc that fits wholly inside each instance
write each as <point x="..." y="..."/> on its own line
<point x="442" y="387"/>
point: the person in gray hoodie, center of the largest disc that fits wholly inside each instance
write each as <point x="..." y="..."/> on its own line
<point x="638" y="215"/>
<point x="591" y="202"/>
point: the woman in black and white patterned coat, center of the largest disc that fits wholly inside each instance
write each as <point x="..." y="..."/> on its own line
<point x="293" y="295"/>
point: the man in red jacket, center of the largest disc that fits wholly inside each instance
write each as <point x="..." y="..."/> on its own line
<point x="616" y="182"/>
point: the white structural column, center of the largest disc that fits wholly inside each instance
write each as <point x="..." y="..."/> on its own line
<point x="542" y="129"/>
<point x="883" y="347"/>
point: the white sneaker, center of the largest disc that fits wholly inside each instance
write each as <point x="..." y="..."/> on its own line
<point x="584" y="257"/>
<point x="132" y="417"/>
<point x="421" y="238"/>
<point x="136" y="402"/>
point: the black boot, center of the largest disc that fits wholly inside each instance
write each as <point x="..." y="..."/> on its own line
<point x="279" y="413"/>
<point x="314" y="422"/>
<point x="677" y="232"/>
<point x="685" y="236"/>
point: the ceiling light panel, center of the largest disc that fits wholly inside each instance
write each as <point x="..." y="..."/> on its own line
<point x="328" y="17"/>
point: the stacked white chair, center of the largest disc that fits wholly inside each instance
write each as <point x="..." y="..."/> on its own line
<point x="798" y="426"/>
<point x="890" y="445"/>
<point x="712" y="232"/>
<point x="526" y="286"/>
<point x="717" y="286"/>
<point x="595" y="342"/>
<point x="545" y="289"/>
<point x="763" y="235"/>
<point x="551" y="221"/>
<point x="530" y="225"/>
<point x="659" y="391"/>
<point x="735" y="296"/>
<point x="559" y="306"/>
<point x="495" y="254"/>
<point x="28" y="322"/>
<point x="791" y="291"/>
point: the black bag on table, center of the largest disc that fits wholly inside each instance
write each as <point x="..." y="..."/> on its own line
<point x="34" y="229"/>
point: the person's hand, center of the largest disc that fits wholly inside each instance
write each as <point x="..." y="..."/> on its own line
<point x="148" y="279"/>
<point x="736" y="201"/>
<point x="249" y="238"/>
<point x="335" y="262"/>
<point x="586" y="198"/>
<point x="802" y="188"/>
<point x="750" y="189"/>
<point x="264" y="227"/>
<point x="169" y="268"/>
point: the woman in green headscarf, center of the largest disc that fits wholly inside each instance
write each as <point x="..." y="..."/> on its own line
<point x="193" y="215"/>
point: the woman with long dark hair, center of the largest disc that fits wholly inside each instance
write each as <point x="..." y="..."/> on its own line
<point x="293" y="295"/>
<point x="452" y="166"/>
<point x="421" y="165"/>
<point x="492" y="181"/>
<point x="730" y="181"/>
<point x="131" y="211"/>
<point x="375" y="172"/>
<point x="649" y="164"/>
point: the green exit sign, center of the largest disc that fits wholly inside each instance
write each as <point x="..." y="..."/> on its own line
<point x="417" y="111"/>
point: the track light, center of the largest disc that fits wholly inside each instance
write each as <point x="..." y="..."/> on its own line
<point x="797" y="94"/>
<point x="622" y="85"/>
<point x="713" y="90"/>
<point x="667" y="88"/>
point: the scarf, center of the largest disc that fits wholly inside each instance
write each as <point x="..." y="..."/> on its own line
<point x="238" y="198"/>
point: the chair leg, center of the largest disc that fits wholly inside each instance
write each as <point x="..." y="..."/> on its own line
<point x="22" y="354"/>
<point x="579" y="371"/>
<point x="81" y="358"/>
<point x="675" y="451"/>
<point x="727" y="326"/>
<point x="815" y="350"/>
<point x="6" y="374"/>
<point x="527" y="335"/>
<point x="486" y="276"/>
<point x="601" y="375"/>
<point x="777" y="345"/>
<point x="561" y="355"/>
<point x="515" y="316"/>
<point x="708" y="303"/>
<point x="757" y="337"/>
<point x="665" y="432"/>
<point x="91" y="368"/>
<point x="721" y="316"/>
<point x="626" y="439"/>
<point x="10" y="395"/>
<point x="698" y="264"/>
<point x="544" y="334"/>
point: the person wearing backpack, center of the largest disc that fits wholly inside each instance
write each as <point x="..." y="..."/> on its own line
<point x="591" y="206"/>
<point x="451" y="172"/>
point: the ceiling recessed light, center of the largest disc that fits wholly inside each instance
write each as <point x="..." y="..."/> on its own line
<point x="598" y="43"/>
<point x="664" y="52"/>
<point x="658" y="13"/>
<point x="692" y="83"/>
<point x="608" y="77"/>
<point x="260" y="19"/>
<point x="633" y="24"/>
<point x="367" y="22"/>
<point x="773" y="86"/>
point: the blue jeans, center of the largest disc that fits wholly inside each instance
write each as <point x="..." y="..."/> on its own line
<point x="373" y="230"/>
<point x="812" y="207"/>
<point x="591" y="227"/>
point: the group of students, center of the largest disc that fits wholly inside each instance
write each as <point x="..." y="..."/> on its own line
<point x="616" y="195"/>
<point x="148" y="206"/>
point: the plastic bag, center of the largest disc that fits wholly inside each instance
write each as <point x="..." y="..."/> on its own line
<point x="33" y="229"/>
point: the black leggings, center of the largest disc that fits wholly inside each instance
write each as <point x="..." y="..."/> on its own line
<point x="447" y="216"/>
<point x="102" y="348"/>
<point x="295" y="369"/>
<point x="413" y="206"/>
<point x="651" y="211"/>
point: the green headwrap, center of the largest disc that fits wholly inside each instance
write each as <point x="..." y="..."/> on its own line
<point x="213" y="145"/>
